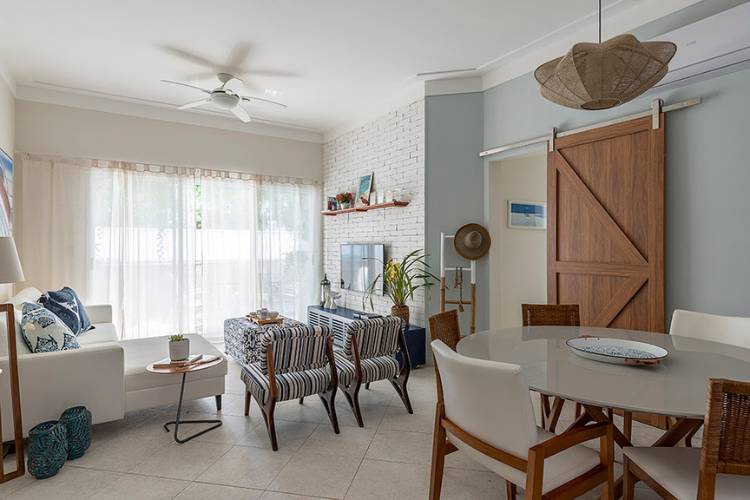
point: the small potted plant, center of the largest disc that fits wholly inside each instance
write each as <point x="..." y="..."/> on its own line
<point x="179" y="348"/>
<point x="401" y="280"/>
<point x="344" y="200"/>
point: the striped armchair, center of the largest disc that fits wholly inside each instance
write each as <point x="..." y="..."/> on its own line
<point x="368" y="356"/>
<point x="294" y="363"/>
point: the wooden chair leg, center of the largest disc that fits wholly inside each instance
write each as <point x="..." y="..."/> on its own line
<point x="628" y="481"/>
<point x="438" y="457"/>
<point x="218" y="402"/>
<point x="248" y="398"/>
<point x="579" y="410"/>
<point x="329" y="403"/>
<point x="270" y="425"/>
<point x="367" y="386"/>
<point x="400" y="385"/>
<point x="510" y="490"/>
<point x="627" y="424"/>
<point x="689" y="438"/>
<point x="302" y="400"/>
<point x="352" y="397"/>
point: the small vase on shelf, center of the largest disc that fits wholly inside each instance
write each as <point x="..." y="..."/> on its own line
<point x="402" y="312"/>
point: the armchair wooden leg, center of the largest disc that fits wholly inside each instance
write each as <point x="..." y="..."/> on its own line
<point x="248" y="398"/>
<point x="689" y="437"/>
<point x="534" y="476"/>
<point x="302" y="400"/>
<point x="352" y="397"/>
<point x="438" y="456"/>
<point x="400" y="385"/>
<point x="270" y="424"/>
<point x="628" y="481"/>
<point x="218" y="402"/>
<point x="367" y="386"/>
<point x="329" y="403"/>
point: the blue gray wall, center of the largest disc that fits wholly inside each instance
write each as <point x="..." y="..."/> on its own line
<point x="707" y="178"/>
<point x="454" y="180"/>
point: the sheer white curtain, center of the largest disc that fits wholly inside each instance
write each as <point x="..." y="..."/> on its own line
<point x="173" y="250"/>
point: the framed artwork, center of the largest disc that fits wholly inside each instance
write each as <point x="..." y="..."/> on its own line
<point x="331" y="204"/>
<point x="527" y="215"/>
<point x="363" y="192"/>
<point x="6" y="193"/>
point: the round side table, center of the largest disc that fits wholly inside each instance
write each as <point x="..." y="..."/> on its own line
<point x="177" y="421"/>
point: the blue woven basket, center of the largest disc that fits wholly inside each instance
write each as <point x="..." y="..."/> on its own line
<point x="77" y="421"/>
<point x="48" y="449"/>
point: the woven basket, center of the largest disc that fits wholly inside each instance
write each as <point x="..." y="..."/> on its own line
<point x="77" y="421"/>
<point x="48" y="449"/>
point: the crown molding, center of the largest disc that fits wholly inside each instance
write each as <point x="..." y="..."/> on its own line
<point x="160" y="111"/>
<point x="619" y="17"/>
<point x="465" y="85"/>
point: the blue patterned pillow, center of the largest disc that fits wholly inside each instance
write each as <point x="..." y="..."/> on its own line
<point x="42" y="331"/>
<point x="66" y="305"/>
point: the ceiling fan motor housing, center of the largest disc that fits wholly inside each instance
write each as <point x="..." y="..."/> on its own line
<point x="224" y="99"/>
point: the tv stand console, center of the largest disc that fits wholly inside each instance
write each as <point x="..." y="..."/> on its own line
<point x="338" y="319"/>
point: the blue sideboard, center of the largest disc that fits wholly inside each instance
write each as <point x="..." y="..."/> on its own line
<point x="337" y="320"/>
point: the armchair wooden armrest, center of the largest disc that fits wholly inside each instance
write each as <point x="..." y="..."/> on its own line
<point x="568" y="439"/>
<point x="603" y="472"/>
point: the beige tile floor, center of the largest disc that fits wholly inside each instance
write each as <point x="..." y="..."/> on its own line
<point x="388" y="459"/>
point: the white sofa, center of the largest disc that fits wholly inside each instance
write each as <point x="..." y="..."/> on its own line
<point x="106" y="375"/>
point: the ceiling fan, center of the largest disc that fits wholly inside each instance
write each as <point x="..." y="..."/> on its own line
<point x="227" y="96"/>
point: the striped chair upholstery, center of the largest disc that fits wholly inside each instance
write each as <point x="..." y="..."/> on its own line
<point x="300" y="363"/>
<point x="377" y="341"/>
<point x="371" y="346"/>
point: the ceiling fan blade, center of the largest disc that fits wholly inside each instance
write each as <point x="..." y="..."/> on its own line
<point x="195" y="104"/>
<point x="187" y="85"/>
<point x="241" y="113"/>
<point x="233" y="84"/>
<point x="250" y="99"/>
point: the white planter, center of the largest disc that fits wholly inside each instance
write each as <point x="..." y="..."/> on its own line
<point x="180" y="350"/>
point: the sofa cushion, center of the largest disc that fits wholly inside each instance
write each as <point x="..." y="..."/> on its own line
<point x="43" y="331"/>
<point x="68" y="307"/>
<point x="139" y="353"/>
<point x="102" y="332"/>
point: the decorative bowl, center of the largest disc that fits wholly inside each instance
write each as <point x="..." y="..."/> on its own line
<point x="617" y="351"/>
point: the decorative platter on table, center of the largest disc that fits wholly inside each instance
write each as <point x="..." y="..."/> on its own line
<point x="617" y="351"/>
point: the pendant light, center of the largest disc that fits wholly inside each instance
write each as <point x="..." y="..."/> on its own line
<point x="604" y="75"/>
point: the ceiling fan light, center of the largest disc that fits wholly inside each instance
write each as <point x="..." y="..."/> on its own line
<point x="596" y="76"/>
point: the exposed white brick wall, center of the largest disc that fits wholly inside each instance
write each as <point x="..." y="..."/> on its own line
<point x="392" y="147"/>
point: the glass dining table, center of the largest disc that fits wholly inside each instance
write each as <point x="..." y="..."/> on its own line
<point x="675" y="388"/>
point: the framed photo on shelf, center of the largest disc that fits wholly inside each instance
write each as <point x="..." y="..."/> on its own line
<point x="331" y="205"/>
<point x="363" y="192"/>
<point x="527" y="215"/>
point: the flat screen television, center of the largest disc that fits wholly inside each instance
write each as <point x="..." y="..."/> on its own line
<point x="360" y="265"/>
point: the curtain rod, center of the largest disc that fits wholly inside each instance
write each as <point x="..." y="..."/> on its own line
<point x="140" y="166"/>
<point x="545" y="138"/>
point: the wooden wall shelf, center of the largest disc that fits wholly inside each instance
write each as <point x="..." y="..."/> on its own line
<point x="365" y="209"/>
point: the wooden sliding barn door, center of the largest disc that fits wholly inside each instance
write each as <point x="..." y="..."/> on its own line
<point x="605" y="236"/>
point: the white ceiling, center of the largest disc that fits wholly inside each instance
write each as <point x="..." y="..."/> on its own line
<point x="331" y="59"/>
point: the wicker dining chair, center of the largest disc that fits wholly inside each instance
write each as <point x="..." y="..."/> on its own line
<point x="676" y="473"/>
<point x="444" y="326"/>
<point x="551" y="315"/>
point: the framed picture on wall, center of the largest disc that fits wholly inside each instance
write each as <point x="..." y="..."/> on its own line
<point x="527" y="215"/>
<point x="6" y="193"/>
<point x="363" y="192"/>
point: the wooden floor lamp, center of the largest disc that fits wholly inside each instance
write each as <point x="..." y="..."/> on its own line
<point x="11" y="272"/>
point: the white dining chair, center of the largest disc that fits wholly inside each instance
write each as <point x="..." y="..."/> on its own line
<point x="484" y="409"/>
<point x="732" y="330"/>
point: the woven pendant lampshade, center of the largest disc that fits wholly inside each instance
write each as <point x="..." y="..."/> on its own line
<point x="604" y="75"/>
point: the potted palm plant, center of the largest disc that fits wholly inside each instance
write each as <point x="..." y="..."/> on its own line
<point x="401" y="280"/>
